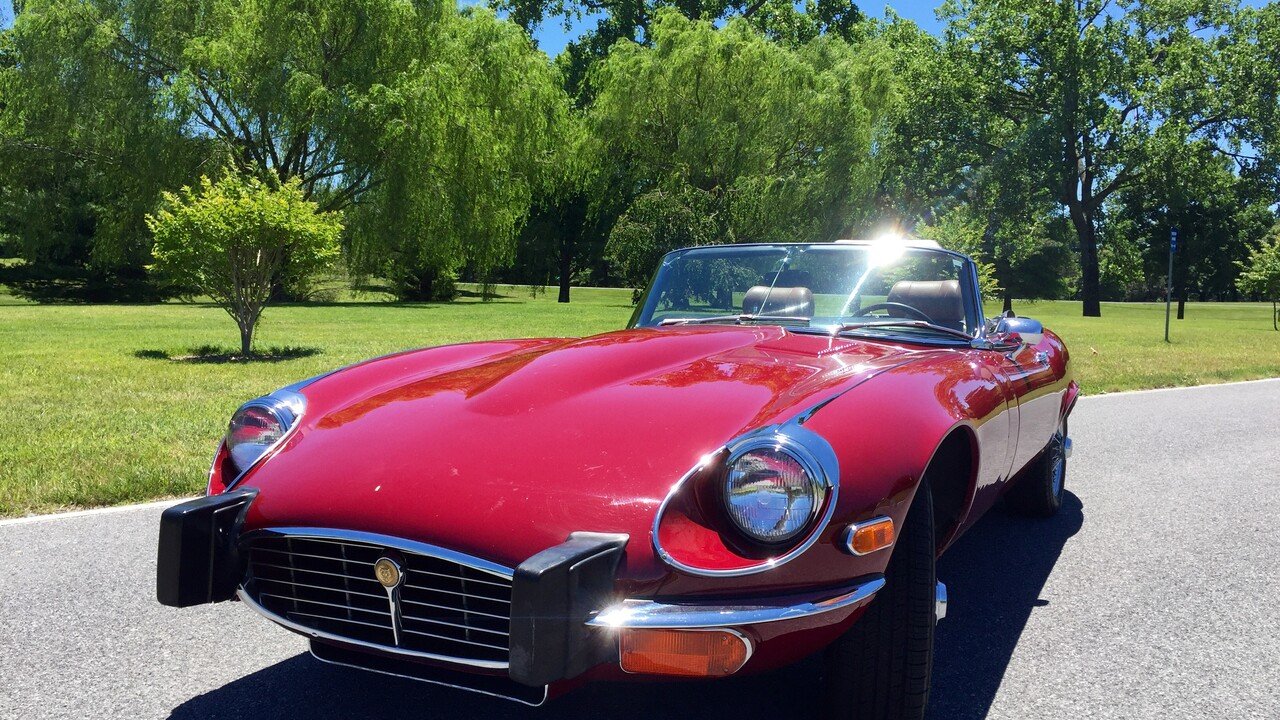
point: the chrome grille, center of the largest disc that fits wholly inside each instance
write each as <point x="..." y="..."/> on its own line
<point x="444" y="607"/>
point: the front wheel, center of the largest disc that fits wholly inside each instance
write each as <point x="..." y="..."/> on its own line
<point x="880" y="668"/>
<point x="1039" y="492"/>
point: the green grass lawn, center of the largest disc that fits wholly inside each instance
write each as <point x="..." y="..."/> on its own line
<point x="97" y="411"/>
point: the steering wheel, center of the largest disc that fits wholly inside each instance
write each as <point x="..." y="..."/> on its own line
<point x="918" y="315"/>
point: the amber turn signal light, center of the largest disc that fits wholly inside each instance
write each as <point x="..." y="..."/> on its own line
<point x="867" y="537"/>
<point x="687" y="653"/>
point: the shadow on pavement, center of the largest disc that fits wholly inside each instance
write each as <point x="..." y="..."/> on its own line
<point x="994" y="575"/>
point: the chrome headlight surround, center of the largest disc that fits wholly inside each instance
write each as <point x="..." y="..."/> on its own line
<point x="281" y="409"/>
<point x="810" y="448"/>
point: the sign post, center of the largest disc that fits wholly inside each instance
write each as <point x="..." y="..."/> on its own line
<point x="1168" y="296"/>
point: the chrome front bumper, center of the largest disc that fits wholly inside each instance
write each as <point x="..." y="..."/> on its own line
<point x="653" y="614"/>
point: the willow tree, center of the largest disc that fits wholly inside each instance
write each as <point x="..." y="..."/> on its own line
<point x="724" y="136"/>
<point x="397" y="108"/>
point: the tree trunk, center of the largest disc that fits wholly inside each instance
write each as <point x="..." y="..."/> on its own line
<point x="1008" y="302"/>
<point x="1275" y="315"/>
<point x="246" y="338"/>
<point x="426" y="285"/>
<point x="1180" y="290"/>
<point x="1090" y="287"/>
<point x="566" y="256"/>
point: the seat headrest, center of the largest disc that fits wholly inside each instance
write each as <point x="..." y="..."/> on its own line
<point x="785" y="301"/>
<point x="941" y="300"/>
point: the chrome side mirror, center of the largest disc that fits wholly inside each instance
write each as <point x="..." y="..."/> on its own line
<point x="1007" y="334"/>
<point x="1028" y="330"/>
<point x="1000" y="342"/>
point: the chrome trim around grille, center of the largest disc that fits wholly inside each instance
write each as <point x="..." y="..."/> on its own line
<point x="487" y="637"/>
<point x="368" y="538"/>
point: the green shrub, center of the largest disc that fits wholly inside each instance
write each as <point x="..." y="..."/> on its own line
<point x="235" y="239"/>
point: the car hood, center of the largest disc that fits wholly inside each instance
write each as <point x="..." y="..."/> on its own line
<point x="502" y="449"/>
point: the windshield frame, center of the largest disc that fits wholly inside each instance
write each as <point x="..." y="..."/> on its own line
<point x="974" y="315"/>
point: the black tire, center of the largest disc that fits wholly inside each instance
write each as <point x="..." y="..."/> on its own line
<point x="880" y="668"/>
<point x="1038" y="492"/>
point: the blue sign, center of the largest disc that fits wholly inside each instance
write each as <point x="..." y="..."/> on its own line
<point x="1173" y="240"/>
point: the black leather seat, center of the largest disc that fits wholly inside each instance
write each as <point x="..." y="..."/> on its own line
<point x="941" y="300"/>
<point x="794" y="302"/>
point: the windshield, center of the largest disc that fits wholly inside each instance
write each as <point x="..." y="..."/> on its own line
<point x="878" y="285"/>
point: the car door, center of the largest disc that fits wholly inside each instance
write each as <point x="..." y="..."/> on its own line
<point x="1034" y="384"/>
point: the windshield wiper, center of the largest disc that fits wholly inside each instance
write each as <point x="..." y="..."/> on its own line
<point x="737" y="319"/>
<point x="920" y="324"/>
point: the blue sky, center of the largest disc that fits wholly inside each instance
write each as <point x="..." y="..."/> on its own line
<point x="553" y="37"/>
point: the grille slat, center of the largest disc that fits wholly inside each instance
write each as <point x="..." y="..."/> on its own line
<point x="504" y="601"/>
<point x="506" y="585"/>
<point x="336" y="619"/>
<point x="471" y="628"/>
<point x="348" y="609"/>
<point x="316" y="572"/>
<point x="455" y="640"/>
<point x="320" y="587"/>
<point x="443" y="607"/>
<point x="307" y="555"/>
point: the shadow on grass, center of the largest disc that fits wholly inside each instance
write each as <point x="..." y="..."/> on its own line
<point x="213" y="354"/>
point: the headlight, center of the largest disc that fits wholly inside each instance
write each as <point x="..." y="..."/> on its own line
<point x="770" y="495"/>
<point x="260" y="424"/>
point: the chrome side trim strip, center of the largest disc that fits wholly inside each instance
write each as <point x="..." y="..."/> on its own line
<point x="1066" y="447"/>
<point x="545" y="688"/>
<point x="653" y="614"/>
<point x="320" y="634"/>
<point x="939" y="602"/>
<point x="807" y="447"/>
<point x="412" y="546"/>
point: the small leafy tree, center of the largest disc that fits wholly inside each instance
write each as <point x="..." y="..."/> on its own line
<point x="229" y="241"/>
<point x="1260" y="275"/>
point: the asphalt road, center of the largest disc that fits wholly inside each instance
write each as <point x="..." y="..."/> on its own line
<point x="1154" y="595"/>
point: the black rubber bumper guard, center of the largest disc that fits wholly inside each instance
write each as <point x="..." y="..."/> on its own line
<point x="553" y="594"/>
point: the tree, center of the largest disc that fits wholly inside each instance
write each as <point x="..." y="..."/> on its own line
<point x="955" y="167"/>
<point x="1260" y="274"/>
<point x="1097" y="87"/>
<point x="438" y="124"/>
<point x="84" y="152"/>
<point x="1216" y="210"/>
<point x="720" y="135"/>
<point x="230" y="239"/>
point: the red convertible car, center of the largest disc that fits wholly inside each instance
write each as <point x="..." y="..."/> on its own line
<point x="764" y="465"/>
